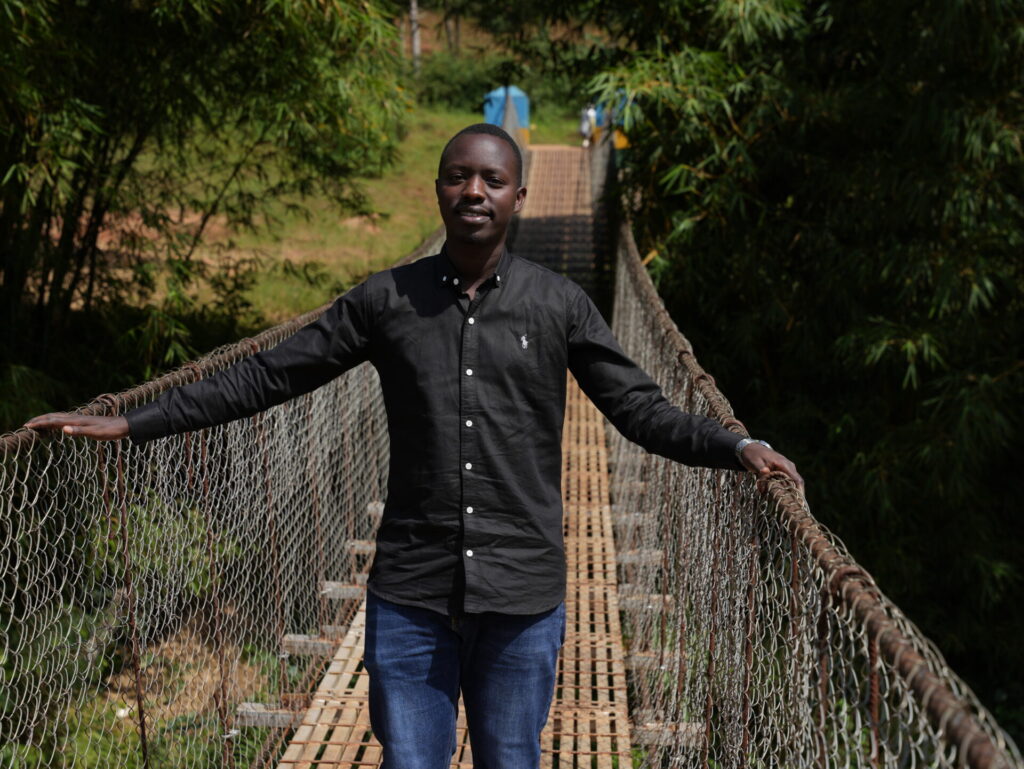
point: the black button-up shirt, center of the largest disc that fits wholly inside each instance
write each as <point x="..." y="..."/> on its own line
<point x="475" y="398"/>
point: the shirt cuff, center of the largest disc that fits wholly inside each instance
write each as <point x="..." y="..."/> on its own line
<point x="146" y="423"/>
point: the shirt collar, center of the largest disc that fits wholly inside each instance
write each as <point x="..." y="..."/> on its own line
<point x="446" y="274"/>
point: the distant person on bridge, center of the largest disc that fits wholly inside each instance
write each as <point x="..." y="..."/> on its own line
<point x="466" y="592"/>
<point x="588" y="123"/>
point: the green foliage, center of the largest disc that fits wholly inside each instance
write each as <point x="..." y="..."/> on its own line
<point x="835" y="197"/>
<point x="80" y="641"/>
<point x="93" y="736"/>
<point x="166" y="545"/>
<point x="24" y="390"/>
<point x="26" y="756"/>
<point x="460" y="81"/>
<point x="55" y="651"/>
<point x="128" y="130"/>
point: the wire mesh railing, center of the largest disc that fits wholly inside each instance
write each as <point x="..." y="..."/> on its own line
<point x="172" y="605"/>
<point x="150" y="595"/>
<point x="754" y="639"/>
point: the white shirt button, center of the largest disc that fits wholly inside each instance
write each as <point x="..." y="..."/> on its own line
<point x="469" y="553"/>
<point x="456" y="281"/>
<point x="472" y="321"/>
<point x="469" y="372"/>
<point x="469" y="509"/>
<point x="469" y="423"/>
<point x="469" y="465"/>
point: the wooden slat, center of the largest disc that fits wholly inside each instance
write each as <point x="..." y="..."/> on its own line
<point x="689" y="735"/>
<point x="641" y="557"/>
<point x="296" y="643"/>
<point x="259" y="714"/>
<point x="342" y="590"/>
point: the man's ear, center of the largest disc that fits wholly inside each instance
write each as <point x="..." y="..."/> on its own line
<point x="520" y="199"/>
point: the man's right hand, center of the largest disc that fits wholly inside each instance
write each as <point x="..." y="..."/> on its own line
<point x="97" y="428"/>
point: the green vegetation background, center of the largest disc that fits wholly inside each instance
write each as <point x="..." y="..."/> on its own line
<point x="831" y="197"/>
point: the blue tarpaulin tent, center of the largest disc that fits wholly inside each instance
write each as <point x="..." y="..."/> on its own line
<point x="494" y="107"/>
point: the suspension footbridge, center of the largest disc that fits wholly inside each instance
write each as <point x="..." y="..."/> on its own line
<point x="198" y="602"/>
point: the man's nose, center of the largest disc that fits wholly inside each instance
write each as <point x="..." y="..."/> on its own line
<point x="474" y="188"/>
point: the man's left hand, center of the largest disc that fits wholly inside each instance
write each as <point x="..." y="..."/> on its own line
<point x="764" y="461"/>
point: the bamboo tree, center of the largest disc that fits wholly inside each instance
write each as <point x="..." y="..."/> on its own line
<point x="125" y="128"/>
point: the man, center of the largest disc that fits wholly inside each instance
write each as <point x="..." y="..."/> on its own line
<point x="472" y="347"/>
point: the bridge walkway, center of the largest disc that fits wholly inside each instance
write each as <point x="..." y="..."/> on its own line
<point x="588" y="725"/>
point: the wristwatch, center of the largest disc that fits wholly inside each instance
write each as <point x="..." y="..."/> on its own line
<point x="744" y="442"/>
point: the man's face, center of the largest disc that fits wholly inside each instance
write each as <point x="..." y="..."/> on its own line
<point x="478" y="189"/>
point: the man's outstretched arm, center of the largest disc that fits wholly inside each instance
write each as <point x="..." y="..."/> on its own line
<point x="315" y="354"/>
<point x="635" y="404"/>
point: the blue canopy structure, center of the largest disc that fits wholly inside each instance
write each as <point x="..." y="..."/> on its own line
<point x="494" y="106"/>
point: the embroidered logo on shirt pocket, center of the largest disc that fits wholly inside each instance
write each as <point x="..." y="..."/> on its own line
<point x="523" y="350"/>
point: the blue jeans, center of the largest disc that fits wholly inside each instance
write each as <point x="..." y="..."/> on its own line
<point x="418" y="660"/>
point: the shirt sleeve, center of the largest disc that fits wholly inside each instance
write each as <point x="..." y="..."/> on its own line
<point x="337" y="341"/>
<point x="631" y="400"/>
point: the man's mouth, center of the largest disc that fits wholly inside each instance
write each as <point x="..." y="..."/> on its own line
<point x="473" y="214"/>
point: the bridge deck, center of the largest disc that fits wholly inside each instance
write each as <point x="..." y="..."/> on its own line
<point x="588" y="725"/>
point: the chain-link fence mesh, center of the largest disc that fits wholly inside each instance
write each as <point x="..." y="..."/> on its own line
<point x="754" y="640"/>
<point x="151" y="596"/>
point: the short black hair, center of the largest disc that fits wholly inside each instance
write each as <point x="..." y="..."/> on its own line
<point x="490" y="130"/>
